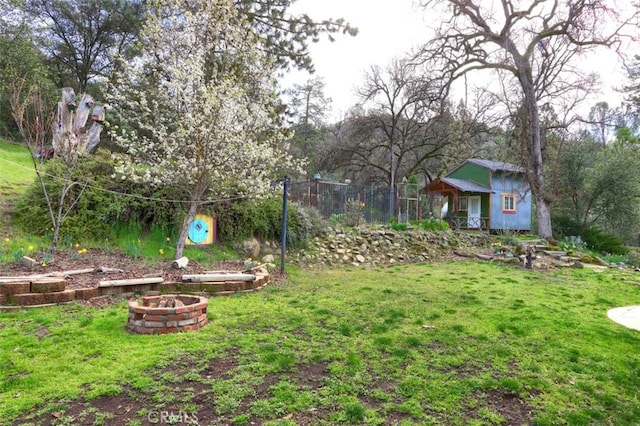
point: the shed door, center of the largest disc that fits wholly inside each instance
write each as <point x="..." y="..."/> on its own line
<point x="473" y="212"/>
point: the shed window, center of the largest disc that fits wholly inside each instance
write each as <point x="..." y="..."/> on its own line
<point x="462" y="204"/>
<point x="509" y="203"/>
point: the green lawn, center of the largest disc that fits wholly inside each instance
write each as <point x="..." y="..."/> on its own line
<point x="436" y="343"/>
<point x="16" y="169"/>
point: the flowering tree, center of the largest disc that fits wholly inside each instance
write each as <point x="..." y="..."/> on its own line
<point x="197" y="109"/>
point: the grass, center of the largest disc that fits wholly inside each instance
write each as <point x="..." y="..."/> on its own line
<point x="438" y="343"/>
<point x="17" y="170"/>
<point x="160" y="243"/>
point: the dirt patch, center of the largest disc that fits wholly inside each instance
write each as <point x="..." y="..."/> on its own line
<point x="508" y="405"/>
<point x="182" y="393"/>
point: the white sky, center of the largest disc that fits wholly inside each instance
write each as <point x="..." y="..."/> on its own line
<point x="388" y="29"/>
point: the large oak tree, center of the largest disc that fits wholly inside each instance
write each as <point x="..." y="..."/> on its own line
<point x="535" y="45"/>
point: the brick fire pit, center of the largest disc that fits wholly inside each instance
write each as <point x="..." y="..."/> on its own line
<point x="171" y="313"/>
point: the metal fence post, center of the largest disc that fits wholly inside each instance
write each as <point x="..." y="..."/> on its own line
<point x="283" y="243"/>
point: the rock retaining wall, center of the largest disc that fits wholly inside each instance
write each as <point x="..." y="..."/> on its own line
<point x="384" y="246"/>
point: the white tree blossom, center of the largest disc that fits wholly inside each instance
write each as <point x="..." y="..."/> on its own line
<point x="196" y="109"/>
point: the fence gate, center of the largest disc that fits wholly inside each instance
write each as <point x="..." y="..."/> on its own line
<point x="409" y="206"/>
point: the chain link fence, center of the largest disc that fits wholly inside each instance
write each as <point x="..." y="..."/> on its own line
<point x="354" y="203"/>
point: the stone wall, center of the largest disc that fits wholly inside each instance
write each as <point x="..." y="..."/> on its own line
<point x="384" y="246"/>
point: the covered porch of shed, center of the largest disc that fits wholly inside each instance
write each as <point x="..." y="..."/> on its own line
<point x="467" y="203"/>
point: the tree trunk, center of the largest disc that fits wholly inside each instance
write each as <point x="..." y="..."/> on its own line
<point x="184" y="231"/>
<point x="543" y="216"/>
<point x="534" y="162"/>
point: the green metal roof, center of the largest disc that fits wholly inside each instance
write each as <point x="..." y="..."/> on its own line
<point x="465" y="185"/>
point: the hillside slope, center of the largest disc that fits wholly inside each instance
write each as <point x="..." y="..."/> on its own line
<point x="16" y="174"/>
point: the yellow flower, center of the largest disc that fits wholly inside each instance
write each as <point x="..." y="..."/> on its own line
<point x="77" y="245"/>
<point x="161" y="251"/>
<point x="7" y="240"/>
<point x="30" y="248"/>
<point x="44" y="264"/>
<point x="168" y="238"/>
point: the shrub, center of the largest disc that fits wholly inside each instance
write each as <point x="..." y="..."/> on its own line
<point x="393" y="224"/>
<point x="96" y="202"/>
<point x="632" y="258"/>
<point x="313" y="220"/>
<point x="336" y="219"/>
<point x="572" y="243"/>
<point x="434" y="225"/>
<point x="262" y="219"/>
<point x="601" y="242"/>
<point x="564" y="226"/>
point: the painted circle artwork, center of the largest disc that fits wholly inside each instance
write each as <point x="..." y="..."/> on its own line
<point x="198" y="231"/>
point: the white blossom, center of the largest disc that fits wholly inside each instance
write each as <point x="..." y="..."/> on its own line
<point x="195" y="110"/>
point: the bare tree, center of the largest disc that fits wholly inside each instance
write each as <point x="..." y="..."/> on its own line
<point x="535" y="43"/>
<point x="394" y="130"/>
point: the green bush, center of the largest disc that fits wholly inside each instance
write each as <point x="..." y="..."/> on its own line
<point x="97" y="205"/>
<point x="572" y="243"/>
<point x="601" y="242"/>
<point x="433" y="225"/>
<point x="336" y="219"/>
<point x="632" y="258"/>
<point x="312" y="219"/>
<point x="96" y="202"/>
<point x="564" y="226"/>
<point x="262" y="219"/>
<point x="393" y="224"/>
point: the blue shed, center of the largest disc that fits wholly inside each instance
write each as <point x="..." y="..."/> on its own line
<point x="487" y="195"/>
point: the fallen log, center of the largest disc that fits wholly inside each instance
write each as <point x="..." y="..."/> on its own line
<point x="78" y="271"/>
<point x="106" y="270"/>
<point x="461" y="254"/>
<point x="207" y="278"/>
<point x="133" y="281"/>
<point x="153" y="275"/>
<point x="506" y="260"/>
<point x="180" y="263"/>
<point x="483" y="256"/>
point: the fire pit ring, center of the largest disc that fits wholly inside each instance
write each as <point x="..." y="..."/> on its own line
<point x="169" y="313"/>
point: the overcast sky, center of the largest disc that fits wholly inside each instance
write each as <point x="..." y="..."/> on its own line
<point x="385" y="29"/>
<point x="388" y="29"/>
